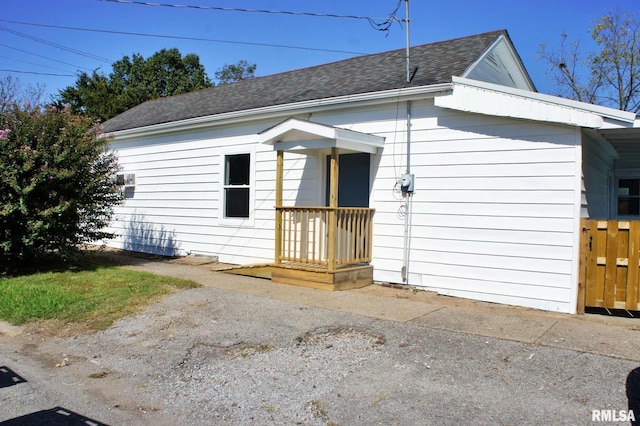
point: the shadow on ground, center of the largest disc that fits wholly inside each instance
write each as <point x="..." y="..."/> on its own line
<point x="56" y="416"/>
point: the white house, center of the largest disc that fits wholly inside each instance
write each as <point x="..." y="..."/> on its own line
<point x="502" y="174"/>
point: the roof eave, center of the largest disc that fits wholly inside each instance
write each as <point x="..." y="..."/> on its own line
<point x="235" y="117"/>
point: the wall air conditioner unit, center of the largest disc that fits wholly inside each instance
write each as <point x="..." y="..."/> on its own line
<point x="128" y="180"/>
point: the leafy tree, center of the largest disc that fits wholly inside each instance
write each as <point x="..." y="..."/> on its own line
<point x="95" y="94"/>
<point x="133" y="81"/>
<point x="609" y="76"/>
<point x="232" y="73"/>
<point x="57" y="183"/>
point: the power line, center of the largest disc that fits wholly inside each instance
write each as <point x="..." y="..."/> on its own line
<point x="32" y="63"/>
<point x="37" y="73"/>
<point x="59" y="46"/>
<point x="281" y="46"/>
<point x="384" y="25"/>
<point x="44" y="57"/>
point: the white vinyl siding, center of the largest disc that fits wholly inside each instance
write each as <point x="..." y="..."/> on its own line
<point x="177" y="207"/>
<point x="494" y="209"/>
<point x="597" y="172"/>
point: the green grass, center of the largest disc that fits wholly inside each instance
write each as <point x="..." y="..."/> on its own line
<point x="95" y="297"/>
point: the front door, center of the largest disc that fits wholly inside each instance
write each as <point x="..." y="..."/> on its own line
<point x="353" y="180"/>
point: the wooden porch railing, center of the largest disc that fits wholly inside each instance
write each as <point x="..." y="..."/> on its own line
<point x="306" y="235"/>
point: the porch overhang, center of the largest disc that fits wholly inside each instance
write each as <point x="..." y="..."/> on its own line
<point x="294" y="134"/>
<point x="625" y="143"/>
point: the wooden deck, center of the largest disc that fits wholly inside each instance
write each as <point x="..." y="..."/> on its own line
<point x="323" y="247"/>
<point x="345" y="278"/>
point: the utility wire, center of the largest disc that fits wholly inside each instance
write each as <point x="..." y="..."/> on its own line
<point x="44" y="57"/>
<point x="384" y="25"/>
<point x="38" y="73"/>
<point x="59" y="46"/>
<point x="33" y="63"/>
<point x="282" y="46"/>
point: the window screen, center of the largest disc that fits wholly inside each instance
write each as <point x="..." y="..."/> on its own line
<point x="236" y="185"/>
<point x="629" y="197"/>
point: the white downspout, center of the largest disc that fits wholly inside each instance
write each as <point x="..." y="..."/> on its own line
<point x="407" y="210"/>
<point x="409" y="195"/>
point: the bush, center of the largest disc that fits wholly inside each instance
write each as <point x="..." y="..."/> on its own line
<point x="57" y="183"/>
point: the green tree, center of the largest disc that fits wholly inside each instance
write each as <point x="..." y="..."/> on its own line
<point x="134" y="80"/>
<point x="57" y="183"/>
<point x="609" y="76"/>
<point x="235" y="72"/>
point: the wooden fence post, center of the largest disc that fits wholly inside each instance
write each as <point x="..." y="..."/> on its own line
<point x="632" y="273"/>
<point x="582" y="266"/>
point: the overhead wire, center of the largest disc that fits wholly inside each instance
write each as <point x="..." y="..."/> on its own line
<point x="383" y="25"/>
<point x="59" y="46"/>
<point x="37" y="73"/>
<point x="33" y="63"/>
<point x="128" y="33"/>
<point x="44" y="57"/>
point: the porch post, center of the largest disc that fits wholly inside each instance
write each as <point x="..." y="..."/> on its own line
<point x="279" y="178"/>
<point x="333" y="211"/>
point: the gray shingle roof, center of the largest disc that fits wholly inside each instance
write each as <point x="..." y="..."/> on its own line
<point x="435" y="63"/>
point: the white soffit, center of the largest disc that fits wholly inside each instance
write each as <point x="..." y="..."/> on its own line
<point x="296" y="135"/>
<point x="483" y="98"/>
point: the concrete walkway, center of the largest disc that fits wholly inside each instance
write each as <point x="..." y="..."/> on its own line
<point x="596" y="334"/>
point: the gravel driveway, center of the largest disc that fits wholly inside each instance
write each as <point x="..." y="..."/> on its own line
<point x="211" y="356"/>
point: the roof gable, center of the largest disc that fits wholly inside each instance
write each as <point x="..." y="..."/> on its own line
<point x="502" y="65"/>
<point x="432" y="64"/>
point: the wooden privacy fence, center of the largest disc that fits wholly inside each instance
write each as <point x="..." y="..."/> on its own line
<point x="306" y="235"/>
<point x="610" y="264"/>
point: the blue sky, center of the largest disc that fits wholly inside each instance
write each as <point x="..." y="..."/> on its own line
<point x="317" y="40"/>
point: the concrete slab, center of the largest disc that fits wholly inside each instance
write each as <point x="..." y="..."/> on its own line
<point x="490" y="323"/>
<point x="603" y="339"/>
<point x="392" y="309"/>
<point x="194" y="261"/>
<point x="296" y="294"/>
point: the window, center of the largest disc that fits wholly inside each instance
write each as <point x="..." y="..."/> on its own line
<point x="628" y="197"/>
<point x="237" y="185"/>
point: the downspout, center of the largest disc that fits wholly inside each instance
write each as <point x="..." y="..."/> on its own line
<point x="409" y="193"/>
<point x="407" y="208"/>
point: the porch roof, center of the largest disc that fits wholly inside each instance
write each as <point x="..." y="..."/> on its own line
<point x="295" y="134"/>
<point x="625" y="142"/>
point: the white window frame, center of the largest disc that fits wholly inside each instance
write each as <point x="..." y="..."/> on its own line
<point x="237" y="221"/>
<point x="623" y="174"/>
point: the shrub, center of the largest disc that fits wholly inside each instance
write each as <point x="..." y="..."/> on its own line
<point x="57" y="183"/>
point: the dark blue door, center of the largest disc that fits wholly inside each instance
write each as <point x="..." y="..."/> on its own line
<point x="353" y="180"/>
